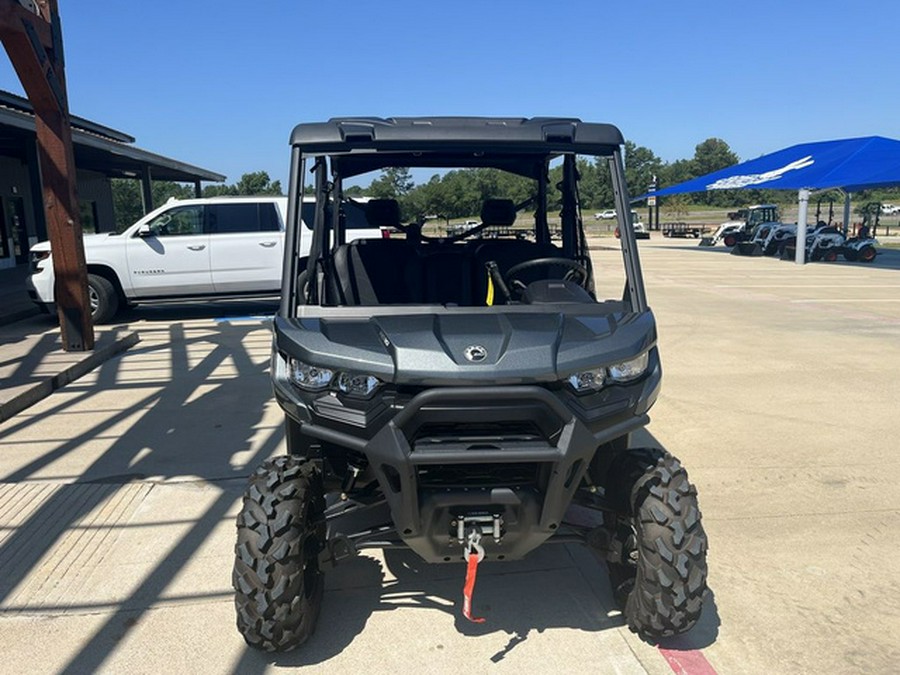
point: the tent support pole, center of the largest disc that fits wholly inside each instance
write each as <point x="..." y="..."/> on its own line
<point x="846" y="214"/>
<point x="800" y="248"/>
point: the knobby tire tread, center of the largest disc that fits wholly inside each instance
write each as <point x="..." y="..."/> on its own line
<point x="280" y="532"/>
<point x="662" y="594"/>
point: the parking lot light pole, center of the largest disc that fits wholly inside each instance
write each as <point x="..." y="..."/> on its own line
<point x="800" y="246"/>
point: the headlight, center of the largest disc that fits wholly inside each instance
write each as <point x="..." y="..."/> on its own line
<point x="37" y="257"/>
<point x="626" y="371"/>
<point x="588" y="380"/>
<point x="316" y="378"/>
<point x="311" y="378"/>
<point x="357" y="385"/>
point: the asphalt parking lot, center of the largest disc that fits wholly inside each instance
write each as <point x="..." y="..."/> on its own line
<point x="119" y="491"/>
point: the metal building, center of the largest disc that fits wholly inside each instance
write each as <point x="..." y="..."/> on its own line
<point x="101" y="154"/>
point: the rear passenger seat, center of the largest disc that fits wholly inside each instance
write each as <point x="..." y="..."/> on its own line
<point x="396" y="271"/>
<point x="376" y="272"/>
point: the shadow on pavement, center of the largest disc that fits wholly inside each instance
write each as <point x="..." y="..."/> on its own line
<point x="197" y="396"/>
<point x="197" y="399"/>
<point x="514" y="597"/>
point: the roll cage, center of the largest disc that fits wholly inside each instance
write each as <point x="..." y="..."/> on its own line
<point x="342" y="148"/>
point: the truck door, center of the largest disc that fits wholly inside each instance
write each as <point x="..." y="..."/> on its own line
<point x="170" y="258"/>
<point x="246" y="247"/>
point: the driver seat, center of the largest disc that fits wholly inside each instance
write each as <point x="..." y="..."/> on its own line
<point x="506" y="252"/>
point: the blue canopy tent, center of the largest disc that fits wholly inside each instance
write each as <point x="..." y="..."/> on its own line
<point x="850" y="164"/>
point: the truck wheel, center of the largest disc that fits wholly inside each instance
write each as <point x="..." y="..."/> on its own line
<point x="730" y="240"/>
<point x="103" y="298"/>
<point x="867" y="253"/>
<point x="660" y="578"/>
<point x="280" y="532"/>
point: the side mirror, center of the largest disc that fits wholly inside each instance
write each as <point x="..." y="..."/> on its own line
<point x="144" y="231"/>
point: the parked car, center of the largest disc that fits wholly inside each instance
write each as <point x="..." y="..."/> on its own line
<point x="609" y="214"/>
<point x="889" y="209"/>
<point x="212" y="248"/>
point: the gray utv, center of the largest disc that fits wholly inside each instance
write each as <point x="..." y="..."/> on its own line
<point x="461" y="392"/>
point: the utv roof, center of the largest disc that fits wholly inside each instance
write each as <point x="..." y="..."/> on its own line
<point x="546" y="134"/>
<point x="362" y="144"/>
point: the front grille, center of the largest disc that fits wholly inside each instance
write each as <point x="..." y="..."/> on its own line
<point x="458" y="476"/>
<point x="477" y="433"/>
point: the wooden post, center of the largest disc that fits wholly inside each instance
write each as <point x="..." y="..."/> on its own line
<point x="33" y="41"/>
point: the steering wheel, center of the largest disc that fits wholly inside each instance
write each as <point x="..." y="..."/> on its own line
<point x="576" y="271"/>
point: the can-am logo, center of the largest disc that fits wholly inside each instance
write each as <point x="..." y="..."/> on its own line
<point x="756" y="178"/>
<point x="475" y="353"/>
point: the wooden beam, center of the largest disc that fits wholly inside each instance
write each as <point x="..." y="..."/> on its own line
<point x="34" y="45"/>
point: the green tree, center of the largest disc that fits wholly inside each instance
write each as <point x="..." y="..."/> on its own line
<point x="128" y="202"/>
<point x="257" y="183"/>
<point x="219" y="190"/>
<point x="711" y="155"/>
<point x="394" y="183"/>
<point x="676" y="172"/>
<point x="126" y="196"/>
<point x="676" y="206"/>
<point x="254" y="183"/>
<point x="641" y="165"/>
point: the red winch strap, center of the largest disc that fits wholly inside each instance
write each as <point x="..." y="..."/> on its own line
<point x="469" y="588"/>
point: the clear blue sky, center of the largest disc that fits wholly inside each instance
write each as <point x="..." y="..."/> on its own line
<point x="220" y="83"/>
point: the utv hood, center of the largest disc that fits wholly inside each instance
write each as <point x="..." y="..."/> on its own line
<point x="468" y="348"/>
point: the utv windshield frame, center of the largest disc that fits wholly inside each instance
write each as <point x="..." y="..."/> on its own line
<point x="346" y="147"/>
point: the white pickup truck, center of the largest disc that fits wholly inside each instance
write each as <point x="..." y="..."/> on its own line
<point x="190" y="249"/>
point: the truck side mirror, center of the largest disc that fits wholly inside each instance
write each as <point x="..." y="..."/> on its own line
<point x="144" y="231"/>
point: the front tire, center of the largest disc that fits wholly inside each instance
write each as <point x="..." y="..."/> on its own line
<point x="280" y="532"/>
<point x="660" y="579"/>
<point x="867" y="253"/>
<point x="103" y="298"/>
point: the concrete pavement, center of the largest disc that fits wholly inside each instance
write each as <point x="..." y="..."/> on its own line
<point x="120" y="489"/>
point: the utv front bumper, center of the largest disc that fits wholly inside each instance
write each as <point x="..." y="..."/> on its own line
<point x="510" y="470"/>
<point x="504" y="459"/>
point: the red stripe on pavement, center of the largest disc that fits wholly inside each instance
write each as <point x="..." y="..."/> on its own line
<point x="690" y="662"/>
